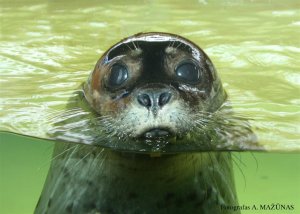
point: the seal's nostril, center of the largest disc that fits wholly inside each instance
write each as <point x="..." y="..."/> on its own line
<point x="154" y="100"/>
<point x="164" y="98"/>
<point x="156" y="133"/>
<point x="144" y="100"/>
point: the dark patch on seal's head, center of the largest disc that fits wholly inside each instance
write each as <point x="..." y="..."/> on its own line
<point x="150" y="85"/>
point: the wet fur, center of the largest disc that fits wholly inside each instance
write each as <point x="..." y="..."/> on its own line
<point x="88" y="179"/>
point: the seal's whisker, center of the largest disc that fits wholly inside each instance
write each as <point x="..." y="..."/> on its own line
<point x="179" y="44"/>
<point x="73" y="152"/>
<point x="212" y="169"/>
<point x="103" y="159"/>
<point x="85" y="156"/>
<point x="205" y="184"/>
<point x="241" y="171"/>
<point x="45" y="163"/>
<point x="171" y="44"/>
<point x="61" y="175"/>
<point x="128" y="46"/>
<point x="256" y="162"/>
<point x="239" y="158"/>
<point x="63" y="152"/>
<point x="135" y="45"/>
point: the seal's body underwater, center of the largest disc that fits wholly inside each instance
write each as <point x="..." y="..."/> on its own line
<point x="150" y="89"/>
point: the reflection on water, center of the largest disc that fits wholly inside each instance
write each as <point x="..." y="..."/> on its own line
<point x="49" y="48"/>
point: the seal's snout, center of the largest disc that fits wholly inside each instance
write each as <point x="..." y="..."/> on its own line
<point x="154" y="99"/>
<point x="157" y="133"/>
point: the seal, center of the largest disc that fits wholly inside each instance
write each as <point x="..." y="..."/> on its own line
<point x="150" y="88"/>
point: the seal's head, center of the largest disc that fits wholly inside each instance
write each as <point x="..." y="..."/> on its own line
<point x="152" y="86"/>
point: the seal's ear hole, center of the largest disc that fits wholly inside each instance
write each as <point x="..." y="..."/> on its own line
<point x="188" y="72"/>
<point x="118" y="75"/>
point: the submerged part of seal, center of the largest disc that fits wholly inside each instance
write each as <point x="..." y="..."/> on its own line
<point x="90" y="179"/>
<point x="153" y="89"/>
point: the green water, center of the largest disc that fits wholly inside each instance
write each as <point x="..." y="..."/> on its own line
<point x="48" y="48"/>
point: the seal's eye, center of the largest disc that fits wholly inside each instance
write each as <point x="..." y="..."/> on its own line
<point x="118" y="75"/>
<point x="188" y="72"/>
